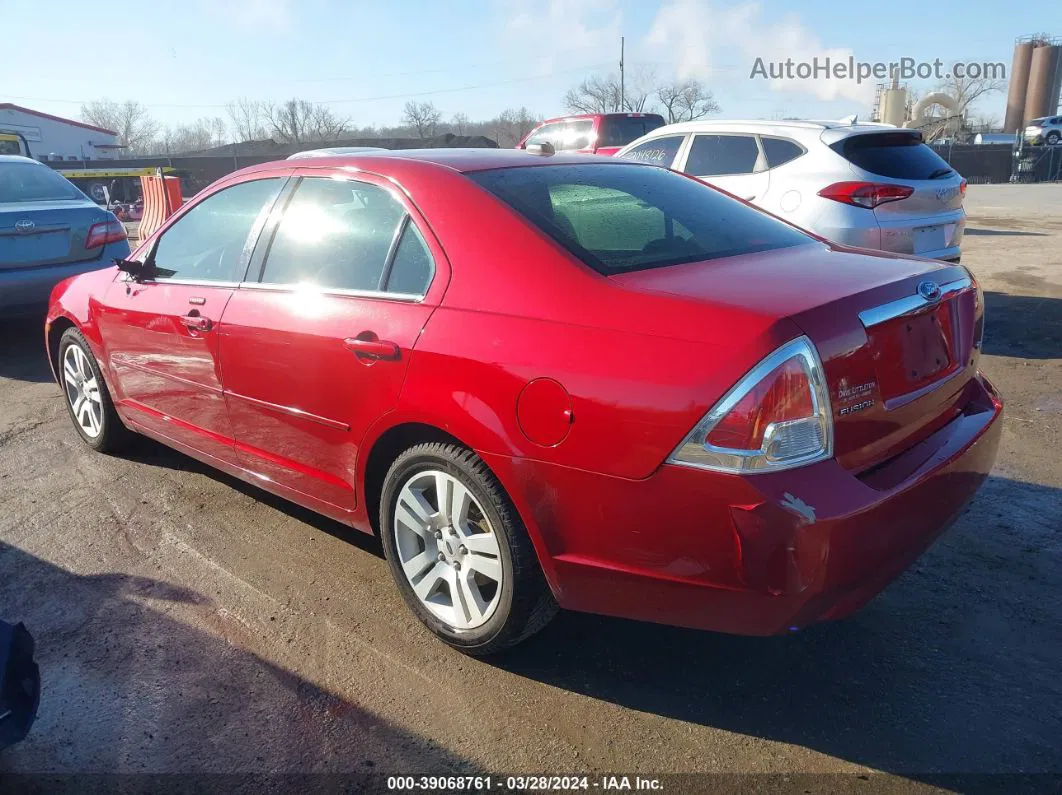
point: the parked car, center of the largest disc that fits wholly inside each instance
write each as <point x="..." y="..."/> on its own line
<point x="1045" y="130"/>
<point x="593" y="133"/>
<point x="48" y="230"/>
<point x="332" y="151"/>
<point x="867" y="185"/>
<point x="554" y="380"/>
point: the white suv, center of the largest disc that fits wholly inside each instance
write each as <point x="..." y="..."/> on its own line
<point x="868" y="185"/>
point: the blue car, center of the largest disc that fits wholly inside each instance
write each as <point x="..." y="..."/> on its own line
<point x="48" y="230"/>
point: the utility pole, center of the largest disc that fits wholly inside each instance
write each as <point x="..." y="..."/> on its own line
<point x="623" y="92"/>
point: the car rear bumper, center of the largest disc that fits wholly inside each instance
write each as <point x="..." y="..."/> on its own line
<point x="755" y="555"/>
<point x="29" y="288"/>
<point x="932" y="237"/>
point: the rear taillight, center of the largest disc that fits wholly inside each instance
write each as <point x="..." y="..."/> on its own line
<point x="865" y="194"/>
<point x="962" y="187"/>
<point x="777" y="417"/>
<point x="103" y="233"/>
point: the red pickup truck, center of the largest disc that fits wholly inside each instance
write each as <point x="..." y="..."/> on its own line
<point x="594" y="133"/>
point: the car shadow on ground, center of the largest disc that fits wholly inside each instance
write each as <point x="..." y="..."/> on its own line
<point x="130" y="686"/>
<point x="952" y="669"/>
<point x="981" y="231"/>
<point x="1025" y="326"/>
<point x="22" y="355"/>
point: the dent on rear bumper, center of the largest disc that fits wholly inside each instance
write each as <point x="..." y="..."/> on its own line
<point x="749" y="555"/>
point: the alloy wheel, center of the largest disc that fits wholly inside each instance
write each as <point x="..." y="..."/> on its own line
<point x="82" y="391"/>
<point x="448" y="549"/>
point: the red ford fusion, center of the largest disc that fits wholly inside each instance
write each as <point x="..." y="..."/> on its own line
<point x="548" y="381"/>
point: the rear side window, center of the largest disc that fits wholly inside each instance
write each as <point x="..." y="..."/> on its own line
<point x="207" y="243"/>
<point x="334" y="234"/>
<point x="620" y="217"/>
<point x="780" y="150"/>
<point x="720" y="155"/>
<point x="565" y="135"/>
<point x="30" y="182"/>
<point x="413" y="267"/>
<point x="895" y="155"/>
<point x="621" y="130"/>
<point x="658" y="152"/>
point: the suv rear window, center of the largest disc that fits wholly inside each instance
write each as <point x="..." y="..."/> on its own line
<point x="619" y="217"/>
<point x="621" y="130"/>
<point x="30" y="182"/>
<point x="895" y="155"/>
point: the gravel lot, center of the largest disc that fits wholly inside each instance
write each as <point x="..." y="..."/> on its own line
<point x="186" y="622"/>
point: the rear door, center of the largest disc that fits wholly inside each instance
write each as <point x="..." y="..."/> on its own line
<point x="317" y="341"/>
<point x="44" y="219"/>
<point x="731" y="161"/>
<point x="160" y="335"/>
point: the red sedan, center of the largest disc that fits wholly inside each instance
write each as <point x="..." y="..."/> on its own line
<point x="549" y="380"/>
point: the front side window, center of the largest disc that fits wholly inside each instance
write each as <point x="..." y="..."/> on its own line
<point x="619" y="217"/>
<point x="208" y="242"/>
<point x="30" y="182"/>
<point x="658" y="152"/>
<point x="341" y="234"/>
<point x="565" y="135"/>
<point x="722" y="155"/>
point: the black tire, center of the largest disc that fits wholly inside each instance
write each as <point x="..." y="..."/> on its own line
<point x="113" y="435"/>
<point x="526" y="603"/>
<point x="1052" y="137"/>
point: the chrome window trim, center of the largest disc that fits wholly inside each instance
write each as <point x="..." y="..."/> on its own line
<point x="408" y="298"/>
<point x="185" y="282"/>
<point x="911" y="304"/>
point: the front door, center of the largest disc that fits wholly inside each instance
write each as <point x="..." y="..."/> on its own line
<point x="160" y="335"/>
<point x="316" y="349"/>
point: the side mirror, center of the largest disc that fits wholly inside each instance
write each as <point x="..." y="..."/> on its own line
<point x="138" y="270"/>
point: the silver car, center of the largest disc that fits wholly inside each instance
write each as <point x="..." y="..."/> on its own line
<point x="868" y="185"/>
<point x="48" y="230"/>
<point x="1045" y="130"/>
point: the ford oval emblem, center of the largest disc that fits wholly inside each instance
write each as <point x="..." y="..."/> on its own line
<point x="25" y="226"/>
<point x="929" y="290"/>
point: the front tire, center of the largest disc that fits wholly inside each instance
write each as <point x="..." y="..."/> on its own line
<point x="458" y="551"/>
<point x="87" y="399"/>
<point x="1053" y="137"/>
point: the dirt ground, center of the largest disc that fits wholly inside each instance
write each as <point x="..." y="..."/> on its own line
<point x="188" y="623"/>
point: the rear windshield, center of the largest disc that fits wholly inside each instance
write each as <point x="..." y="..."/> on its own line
<point x="621" y="130"/>
<point x="620" y="217"/>
<point x="896" y="155"/>
<point x="29" y="182"/>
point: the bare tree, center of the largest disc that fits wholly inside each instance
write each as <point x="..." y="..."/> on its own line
<point x="129" y="119"/>
<point x="423" y="117"/>
<point x="511" y="125"/>
<point x="247" y="117"/>
<point x="686" y="100"/>
<point x="595" y="94"/>
<point x="459" y="122"/>
<point x="967" y="90"/>
<point x="298" y="121"/>
<point x="606" y="94"/>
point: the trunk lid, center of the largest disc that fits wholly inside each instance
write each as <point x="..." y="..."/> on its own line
<point x="898" y="357"/>
<point x="46" y="233"/>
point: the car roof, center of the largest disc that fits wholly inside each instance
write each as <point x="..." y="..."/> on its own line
<point x="462" y="160"/>
<point x="575" y="116"/>
<point x="19" y="159"/>
<point x="804" y="130"/>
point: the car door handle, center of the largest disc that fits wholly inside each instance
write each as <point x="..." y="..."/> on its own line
<point x="197" y="322"/>
<point x="369" y="346"/>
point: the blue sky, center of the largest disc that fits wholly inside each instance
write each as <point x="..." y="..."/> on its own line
<point x="365" y="59"/>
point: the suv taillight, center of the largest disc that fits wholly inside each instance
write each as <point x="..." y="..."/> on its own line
<point x="865" y="194"/>
<point x="776" y="417"/>
<point x="103" y="233"/>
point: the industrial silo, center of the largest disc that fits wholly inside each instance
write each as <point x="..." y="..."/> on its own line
<point x="1019" y="83"/>
<point x="1042" y="72"/>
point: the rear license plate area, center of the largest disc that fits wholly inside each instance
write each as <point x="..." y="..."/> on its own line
<point x="929" y="238"/>
<point x="910" y="352"/>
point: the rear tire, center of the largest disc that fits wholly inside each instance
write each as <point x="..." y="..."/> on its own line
<point x="1053" y="137"/>
<point x="458" y="551"/>
<point x="88" y="400"/>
